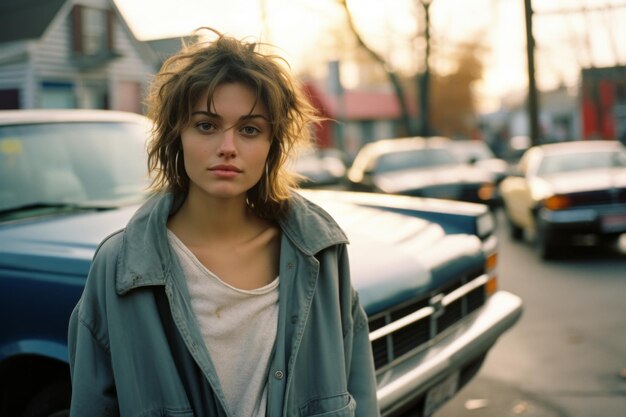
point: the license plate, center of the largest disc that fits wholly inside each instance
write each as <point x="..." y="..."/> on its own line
<point x="440" y="393"/>
<point x="614" y="223"/>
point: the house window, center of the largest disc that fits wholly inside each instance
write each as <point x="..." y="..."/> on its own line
<point x="57" y="95"/>
<point x="92" y="31"/>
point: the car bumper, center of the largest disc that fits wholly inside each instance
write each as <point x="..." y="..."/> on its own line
<point x="597" y="220"/>
<point x="407" y="383"/>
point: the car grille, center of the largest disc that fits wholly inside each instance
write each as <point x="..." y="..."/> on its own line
<point x="402" y="330"/>
<point x="601" y="197"/>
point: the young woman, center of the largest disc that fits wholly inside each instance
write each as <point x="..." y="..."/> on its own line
<point x="227" y="294"/>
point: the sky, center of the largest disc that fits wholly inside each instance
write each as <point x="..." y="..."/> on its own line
<point x="583" y="33"/>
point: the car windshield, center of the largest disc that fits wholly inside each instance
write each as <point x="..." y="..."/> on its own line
<point x="554" y="164"/>
<point x="72" y="164"/>
<point x="418" y="158"/>
<point x="472" y="151"/>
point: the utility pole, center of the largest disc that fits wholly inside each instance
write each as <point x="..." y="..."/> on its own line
<point x="424" y="78"/>
<point x="533" y="105"/>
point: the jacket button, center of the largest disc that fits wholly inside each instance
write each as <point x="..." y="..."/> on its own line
<point x="278" y="375"/>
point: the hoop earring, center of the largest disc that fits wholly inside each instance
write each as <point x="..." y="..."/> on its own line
<point x="266" y="188"/>
<point x="177" y="168"/>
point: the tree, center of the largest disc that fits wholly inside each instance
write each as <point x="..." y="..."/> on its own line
<point x="446" y="100"/>
<point x="394" y="79"/>
<point x="452" y="101"/>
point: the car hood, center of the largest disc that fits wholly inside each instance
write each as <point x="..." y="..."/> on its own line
<point x="393" y="257"/>
<point x="587" y="180"/>
<point x="58" y="244"/>
<point x="411" y="179"/>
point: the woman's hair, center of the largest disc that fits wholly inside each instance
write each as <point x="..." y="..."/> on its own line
<point x="203" y="66"/>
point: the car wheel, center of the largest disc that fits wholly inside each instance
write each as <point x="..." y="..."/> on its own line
<point x="52" y="401"/>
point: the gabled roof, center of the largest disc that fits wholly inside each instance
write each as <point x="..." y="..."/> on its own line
<point x="362" y="104"/>
<point x="165" y="47"/>
<point x="26" y="19"/>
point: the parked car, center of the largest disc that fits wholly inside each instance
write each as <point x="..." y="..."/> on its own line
<point x="424" y="269"/>
<point x="320" y="168"/>
<point x="567" y="193"/>
<point x="478" y="153"/>
<point x="420" y="167"/>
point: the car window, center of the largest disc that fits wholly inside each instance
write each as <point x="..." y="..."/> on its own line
<point x="419" y="158"/>
<point x="554" y="164"/>
<point x="474" y="150"/>
<point x="79" y="163"/>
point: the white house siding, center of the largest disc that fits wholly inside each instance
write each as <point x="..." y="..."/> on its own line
<point x="51" y="56"/>
<point x="129" y="72"/>
<point x="13" y="75"/>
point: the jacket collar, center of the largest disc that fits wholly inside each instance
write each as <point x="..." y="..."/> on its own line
<point x="146" y="258"/>
<point x="309" y="227"/>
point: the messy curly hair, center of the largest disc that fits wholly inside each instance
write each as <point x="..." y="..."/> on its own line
<point x="202" y="66"/>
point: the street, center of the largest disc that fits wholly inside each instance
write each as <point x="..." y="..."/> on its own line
<point x="566" y="356"/>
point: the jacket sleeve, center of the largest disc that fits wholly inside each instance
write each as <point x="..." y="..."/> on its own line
<point x="361" y="376"/>
<point x="93" y="385"/>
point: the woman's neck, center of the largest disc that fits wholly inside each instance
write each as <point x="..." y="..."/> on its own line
<point x="201" y="218"/>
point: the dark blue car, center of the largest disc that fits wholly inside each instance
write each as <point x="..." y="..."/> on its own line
<point x="424" y="268"/>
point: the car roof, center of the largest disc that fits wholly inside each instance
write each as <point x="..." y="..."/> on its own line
<point x="404" y="144"/>
<point x="580" y="146"/>
<point x="34" y="116"/>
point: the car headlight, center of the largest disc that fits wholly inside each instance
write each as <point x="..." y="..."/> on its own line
<point x="486" y="191"/>
<point x="557" y="202"/>
<point x="485" y="225"/>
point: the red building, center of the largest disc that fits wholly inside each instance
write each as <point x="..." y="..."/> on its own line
<point x="603" y="103"/>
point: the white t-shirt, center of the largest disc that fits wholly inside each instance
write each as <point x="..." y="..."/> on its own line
<point x="239" y="330"/>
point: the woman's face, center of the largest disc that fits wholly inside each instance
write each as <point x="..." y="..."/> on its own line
<point x="225" y="146"/>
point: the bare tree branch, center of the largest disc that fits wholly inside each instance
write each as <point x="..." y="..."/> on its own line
<point x="405" y="118"/>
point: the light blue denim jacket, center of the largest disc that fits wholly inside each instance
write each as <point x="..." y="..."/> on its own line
<point x="136" y="349"/>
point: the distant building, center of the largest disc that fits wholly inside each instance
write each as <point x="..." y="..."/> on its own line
<point x="70" y="54"/>
<point x="603" y="103"/>
<point x="559" y="119"/>
<point x="354" y="116"/>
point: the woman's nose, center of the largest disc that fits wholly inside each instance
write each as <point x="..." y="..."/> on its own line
<point x="227" y="146"/>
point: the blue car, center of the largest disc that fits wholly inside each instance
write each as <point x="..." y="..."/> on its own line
<point x="424" y="268"/>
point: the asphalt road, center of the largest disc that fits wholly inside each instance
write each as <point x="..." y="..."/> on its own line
<point x="566" y="356"/>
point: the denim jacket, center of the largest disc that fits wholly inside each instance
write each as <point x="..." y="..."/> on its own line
<point x="136" y="349"/>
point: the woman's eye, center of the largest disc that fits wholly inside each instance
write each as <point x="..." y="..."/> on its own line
<point x="250" y="130"/>
<point x="205" y="126"/>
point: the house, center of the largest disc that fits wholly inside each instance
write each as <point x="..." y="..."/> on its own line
<point x="70" y="54"/>
<point x="559" y="119"/>
<point x="354" y="117"/>
<point x="163" y="48"/>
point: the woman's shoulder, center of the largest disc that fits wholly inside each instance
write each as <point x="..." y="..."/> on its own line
<point x="311" y="225"/>
<point x="110" y="245"/>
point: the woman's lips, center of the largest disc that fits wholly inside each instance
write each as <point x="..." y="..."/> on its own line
<point x="225" y="171"/>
